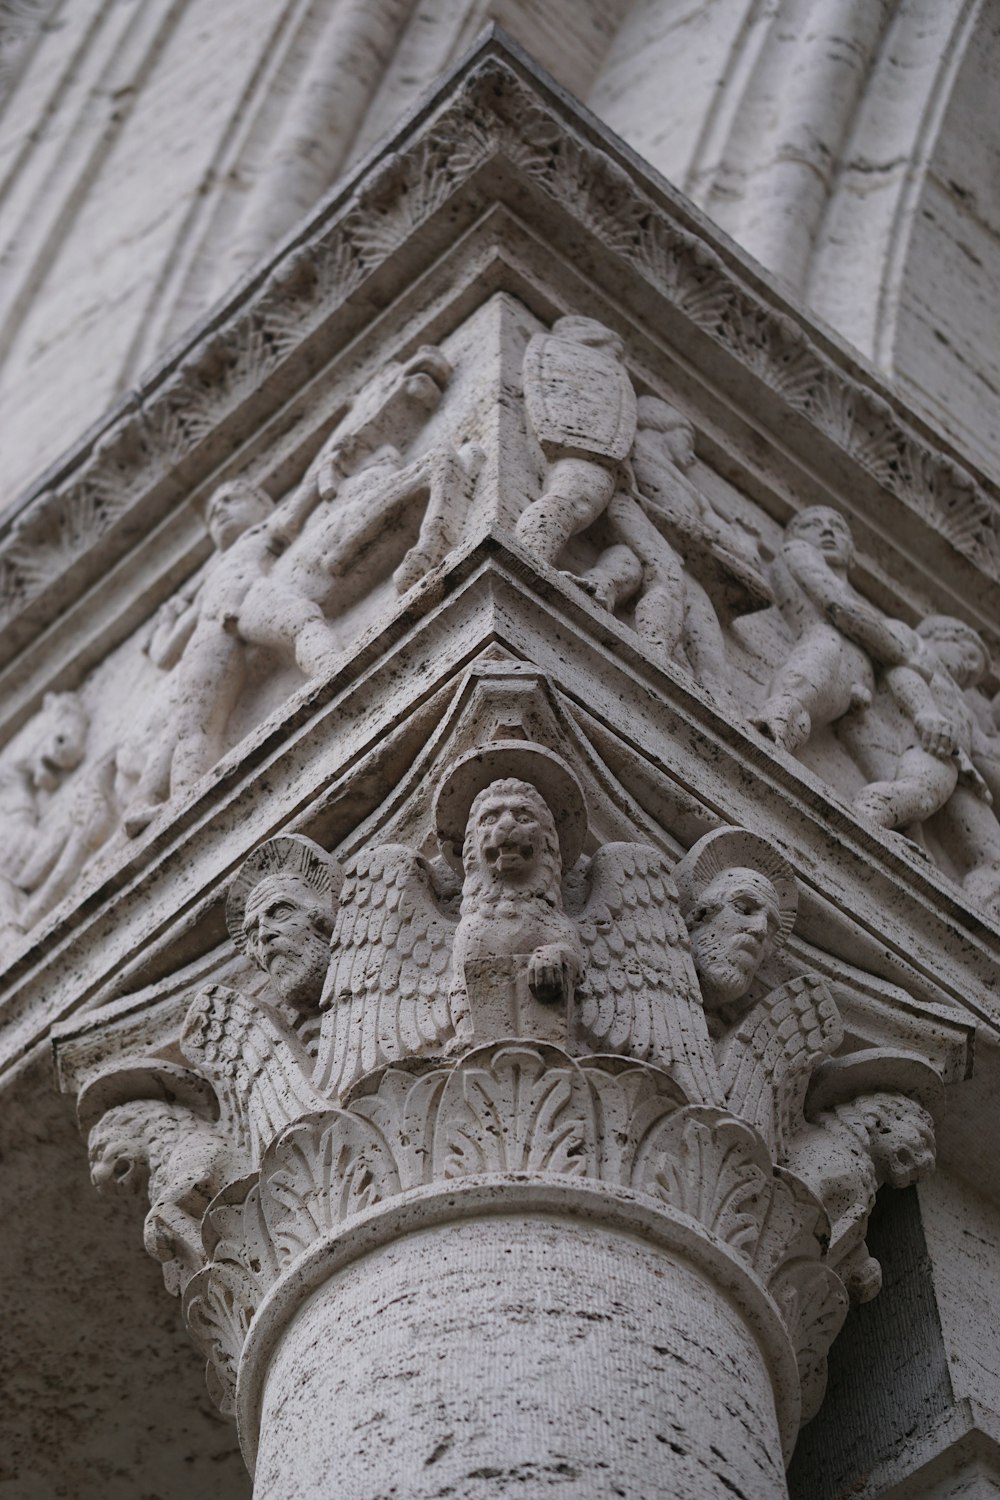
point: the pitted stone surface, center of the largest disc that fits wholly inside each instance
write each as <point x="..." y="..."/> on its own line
<point x="524" y="1353"/>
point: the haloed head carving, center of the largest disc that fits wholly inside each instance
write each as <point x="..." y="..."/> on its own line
<point x="738" y="898"/>
<point x="286" y="930"/>
<point x="280" y="913"/>
<point x="733" y="929"/>
<point x="511" y="841"/>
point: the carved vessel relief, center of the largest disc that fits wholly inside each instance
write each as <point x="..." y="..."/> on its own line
<point x="767" y="623"/>
<point x="500" y="1001"/>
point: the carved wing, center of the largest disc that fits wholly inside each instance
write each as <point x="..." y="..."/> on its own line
<point x="766" y="1062"/>
<point x="388" y="989"/>
<point x="639" y="994"/>
<point x="256" y="1063"/>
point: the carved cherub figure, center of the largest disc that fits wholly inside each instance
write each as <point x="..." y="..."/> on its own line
<point x="352" y="540"/>
<point x="408" y="979"/>
<point x="936" y="733"/>
<point x="829" y="670"/>
<point x="46" y="846"/>
<point x="199" y="647"/>
<point x="280" y="912"/>
<point x="581" y="406"/>
<point x="671" y="550"/>
<point x="281" y="574"/>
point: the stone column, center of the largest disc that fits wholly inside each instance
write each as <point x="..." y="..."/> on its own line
<point x="482" y="1207"/>
<point x="517" y="1295"/>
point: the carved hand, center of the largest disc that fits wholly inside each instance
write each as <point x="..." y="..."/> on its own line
<point x="552" y="973"/>
<point x="936" y="734"/>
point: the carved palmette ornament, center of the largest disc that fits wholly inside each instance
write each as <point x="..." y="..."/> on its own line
<point x="577" y="393"/>
<point x="532" y="1111"/>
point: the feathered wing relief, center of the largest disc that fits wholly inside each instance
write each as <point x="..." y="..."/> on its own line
<point x="768" y="1059"/>
<point x="639" y="994"/>
<point x="256" y="1063"/>
<point x="388" y="991"/>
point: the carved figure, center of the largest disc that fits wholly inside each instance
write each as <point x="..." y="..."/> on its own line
<point x="828" y="671"/>
<point x="512" y="898"/>
<point x="182" y="1159"/>
<point x="351" y="541"/>
<point x="407" y="979"/>
<point x="197" y="644"/>
<point x="281" y="573"/>
<point x="845" y="1154"/>
<point x="280" y="914"/>
<point x="670" y="548"/>
<point x="739" y="898"/>
<point x="46" y="846"/>
<point x="624" y="959"/>
<point x="581" y="405"/>
<point x="927" y="769"/>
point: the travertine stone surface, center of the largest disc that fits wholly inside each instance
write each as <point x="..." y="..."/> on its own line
<point x="644" y="1380"/>
<point x="498" y="758"/>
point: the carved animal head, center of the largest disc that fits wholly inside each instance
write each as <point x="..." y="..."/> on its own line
<point x="511" y="845"/>
<point x="60" y="740"/>
<point x="826" y="530"/>
<point x="900" y="1136"/>
<point x="129" y="1142"/>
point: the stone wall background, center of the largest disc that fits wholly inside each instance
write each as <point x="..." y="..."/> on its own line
<point x="152" y="150"/>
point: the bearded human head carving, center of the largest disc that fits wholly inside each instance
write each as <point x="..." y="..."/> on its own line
<point x="738" y="900"/>
<point x="280" y="914"/>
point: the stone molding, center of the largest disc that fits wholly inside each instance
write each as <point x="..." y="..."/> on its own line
<point x="496" y="130"/>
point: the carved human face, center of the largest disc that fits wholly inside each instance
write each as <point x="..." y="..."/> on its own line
<point x="825" y="530"/>
<point x="287" y="931"/>
<point x="732" y="932"/>
<point x="508" y="832"/>
<point x="231" y="511"/>
<point x="962" y="655"/>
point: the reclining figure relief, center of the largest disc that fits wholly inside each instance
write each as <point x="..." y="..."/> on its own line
<point x="283" y="574"/>
<point x="47" y="839"/>
<point x="919" y="746"/>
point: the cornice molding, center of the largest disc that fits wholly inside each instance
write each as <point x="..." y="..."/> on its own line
<point x="497" y="130"/>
